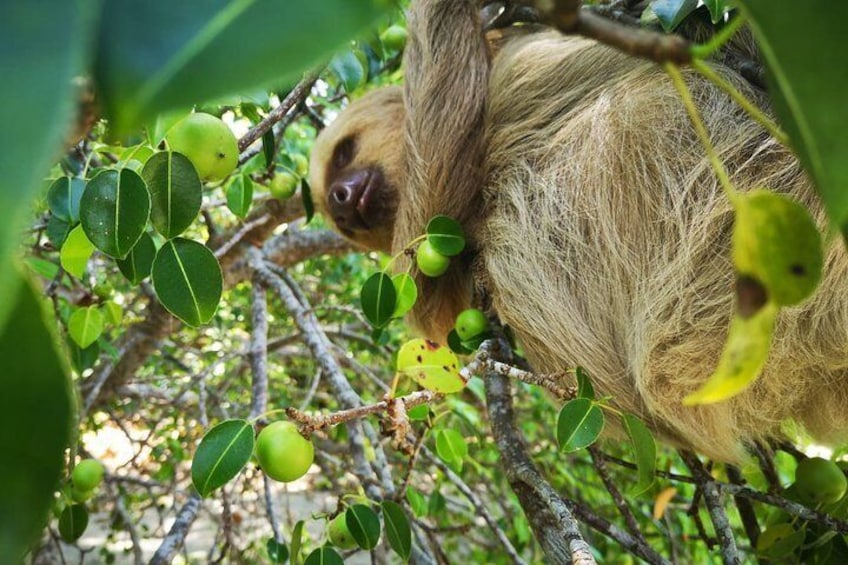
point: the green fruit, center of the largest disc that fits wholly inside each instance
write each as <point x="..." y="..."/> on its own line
<point x="394" y="37"/>
<point x="79" y="495"/>
<point x="339" y="533"/>
<point x="87" y="475"/>
<point x="301" y="164"/>
<point x="207" y="142"/>
<point x="470" y="323"/>
<point x="283" y="453"/>
<point x="819" y="481"/>
<point x="431" y="262"/>
<point x="283" y="185"/>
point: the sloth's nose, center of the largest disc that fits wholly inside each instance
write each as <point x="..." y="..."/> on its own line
<point x="344" y="197"/>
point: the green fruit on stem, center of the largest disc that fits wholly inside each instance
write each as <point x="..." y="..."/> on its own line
<point x="470" y="323"/>
<point x="207" y="142"/>
<point x="431" y="262"/>
<point x="819" y="481"/>
<point x="79" y="495"/>
<point x="283" y="185"/>
<point x="301" y="164"/>
<point x="87" y="475"/>
<point x="394" y="37"/>
<point x="339" y="533"/>
<point x="283" y="454"/>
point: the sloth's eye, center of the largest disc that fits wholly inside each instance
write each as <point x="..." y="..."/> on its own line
<point x="343" y="153"/>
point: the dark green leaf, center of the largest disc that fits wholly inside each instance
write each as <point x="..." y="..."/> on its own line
<point x="35" y="398"/>
<point x="347" y="67"/>
<point x="222" y="454"/>
<point x="114" y="211"/>
<point x="240" y="195"/>
<point x="779" y="541"/>
<point x="63" y="198"/>
<point x="175" y="192"/>
<point x="73" y="522"/>
<point x="451" y="447"/>
<point x="397" y="529"/>
<point x="364" y="525"/>
<point x="57" y="231"/>
<point x="296" y="541"/>
<point x="803" y="45"/>
<point x="644" y="452"/>
<point x="378" y="299"/>
<point x="136" y="266"/>
<point x="306" y="197"/>
<point x="188" y="280"/>
<point x="157" y="55"/>
<point x="75" y="252"/>
<point x="579" y="424"/>
<point x="83" y="359"/>
<point x="445" y="235"/>
<point x="671" y="13"/>
<point x="43" y="47"/>
<point x="436" y="504"/>
<point x="324" y="556"/>
<point x="277" y="552"/>
<point x="584" y="385"/>
<point x="85" y="325"/>
<point x="456" y="345"/>
<point x="269" y="146"/>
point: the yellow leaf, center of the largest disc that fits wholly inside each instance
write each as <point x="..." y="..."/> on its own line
<point x="662" y="501"/>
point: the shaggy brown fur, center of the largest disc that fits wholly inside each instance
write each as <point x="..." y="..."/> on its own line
<point x="602" y="233"/>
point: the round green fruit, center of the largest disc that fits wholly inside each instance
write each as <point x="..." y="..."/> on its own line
<point x="431" y="262"/>
<point x="470" y="323"/>
<point x="79" y="495"/>
<point x="283" y="453"/>
<point x="394" y="37"/>
<point x="207" y="142"/>
<point x="301" y="164"/>
<point x="283" y="185"/>
<point x="87" y="475"/>
<point x="339" y="533"/>
<point x="819" y="481"/>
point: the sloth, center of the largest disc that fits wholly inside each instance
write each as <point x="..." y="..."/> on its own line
<point x="595" y="223"/>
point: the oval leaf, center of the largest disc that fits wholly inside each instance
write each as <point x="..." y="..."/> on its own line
<point x="63" y="198"/>
<point x="75" y="253"/>
<point x="137" y="264"/>
<point x="451" y="447"/>
<point x="57" y="231"/>
<point x="417" y="502"/>
<point x="445" y="235"/>
<point x="644" y="452"/>
<point x="406" y="294"/>
<point x="297" y="540"/>
<point x="188" y="280"/>
<point x="672" y="12"/>
<point x="348" y="69"/>
<point x="240" y="195"/>
<point x="744" y="356"/>
<point x="73" y="522"/>
<point x="324" y="556"/>
<point x="432" y="366"/>
<point x="277" y="552"/>
<point x="584" y="385"/>
<point x="378" y="299"/>
<point x="221" y="455"/>
<point x="85" y="325"/>
<point x="364" y="525"/>
<point x="175" y="192"/>
<point x="83" y="359"/>
<point x="398" y="532"/>
<point x="114" y="210"/>
<point x="579" y="424"/>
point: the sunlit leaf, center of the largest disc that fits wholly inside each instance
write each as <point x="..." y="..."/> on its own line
<point x="222" y="454"/>
<point x="188" y="280"/>
<point x="417" y="502"/>
<point x="75" y="253"/>
<point x="445" y="235"/>
<point x="451" y="447"/>
<point x="579" y="424"/>
<point x="432" y="366"/>
<point x="85" y="325"/>
<point x="406" y="294"/>
<point x="644" y="452"/>
<point x="662" y="501"/>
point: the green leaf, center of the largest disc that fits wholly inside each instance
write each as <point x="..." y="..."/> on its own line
<point x="745" y="353"/>
<point x="417" y="502"/>
<point x="35" y="421"/>
<point x="157" y="55"/>
<point x="776" y="242"/>
<point x="75" y="253"/>
<point x="803" y="46"/>
<point x="63" y="198"/>
<point x="451" y="447"/>
<point x="398" y="532"/>
<point x="378" y="299"/>
<point x="671" y="13"/>
<point x="57" y="231"/>
<point x="222" y="454"/>
<point x="436" y="504"/>
<point x="644" y="452"/>
<point x="85" y="325"/>
<point x="175" y="192"/>
<point x="277" y="552"/>
<point x="73" y="522"/>
<point x="138" y="263"/>
<point x="44" y="268"/>
<point x="188" y="280"/>
<point x="364" y="525"/>
<point x="418" y="413"/>
<point x="456" y="344"/>
<point x="579" y="424"/>
<point x="114" y="211"/>
<point x="779" y="541"/>
<point x="113" y="313"/>
<point x="43" y="46"/>
<point x="306" y="198"/>
<point x="240" y="195"/>
<point x="269" y="145"/>
<point x="718" y="8"/>
<point x="584" y="385"/>
<point x="324" y="556"/>
<point x="432" y="366"/>
<point x="347" y="67"/>
<point x="83" y="359"/>
<point x="445" y="235"/>
<point x="296" y="541"/>
<point x="406" y="294"/>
